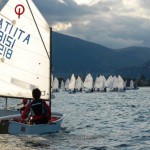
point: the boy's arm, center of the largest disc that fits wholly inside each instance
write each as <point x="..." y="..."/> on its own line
<point x="25" y="112"/>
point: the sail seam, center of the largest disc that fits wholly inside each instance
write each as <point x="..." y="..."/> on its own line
<point x="27" y="71"/>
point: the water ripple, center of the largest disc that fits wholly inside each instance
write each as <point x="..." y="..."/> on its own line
<point x="94" y="121"/>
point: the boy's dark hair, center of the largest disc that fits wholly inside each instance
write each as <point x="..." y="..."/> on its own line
<point x="36" y="93"/>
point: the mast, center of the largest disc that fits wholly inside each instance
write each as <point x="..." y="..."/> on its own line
<point x="50" y="61"/>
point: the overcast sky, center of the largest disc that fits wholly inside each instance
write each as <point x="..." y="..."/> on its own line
<point x="111" y="23"/>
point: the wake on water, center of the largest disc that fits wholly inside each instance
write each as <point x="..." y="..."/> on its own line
<point x="95" y="121"/>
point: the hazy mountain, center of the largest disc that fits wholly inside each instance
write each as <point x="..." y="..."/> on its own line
<point x="73" y="55"/>
<point x="139" y="54"/>
<point x="135" y="71"/>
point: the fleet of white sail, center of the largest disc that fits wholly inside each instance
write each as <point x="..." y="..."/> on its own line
<point x="100" y="84"/>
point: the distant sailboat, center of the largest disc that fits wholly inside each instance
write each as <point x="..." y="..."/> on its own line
<point x="55" y="85"/>
<point x="62" y="85"/>
<point x="109" y="83"/>
<point x="78" y="84"/>
<point x="72" y="84"/>
<point x="132" y="86"/>
<point x="88" y="83"/>
<point x="97" y="84"/>
<point x="121" y="84"/>
<point x="100" y="84"/>
<point x="25" y="60"/>
<point x="67" y="85"/>
<point x="115" y="83"/>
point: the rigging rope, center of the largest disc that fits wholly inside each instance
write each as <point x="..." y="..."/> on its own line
<point x="38" y="29"/>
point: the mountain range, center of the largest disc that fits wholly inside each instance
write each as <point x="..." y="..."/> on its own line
<point x="74" y="55"/>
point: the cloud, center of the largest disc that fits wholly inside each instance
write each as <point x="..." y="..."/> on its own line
<point x="112" y="23"/>
<point x="87" y="2"/>
<point x="61" y="26"/>
<point x="62" y="1"/>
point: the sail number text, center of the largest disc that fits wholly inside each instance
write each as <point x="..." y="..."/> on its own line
<point x="9" y="36"/>
<point x="6" y="45"/>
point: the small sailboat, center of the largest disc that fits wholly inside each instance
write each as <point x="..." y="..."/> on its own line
<point x="99" y="83"/>
<point x="25" y="63"/>
<point x="96" y="84"/>
<point x="55" y="85"/>
<point x="102" y="83"/>
<point x="121" y="84"/>
<point x="78" y="85"/>
<point x="109" y="83"/>
<point x="67" y="85"/>
<point x="72" y="84"/>
<point x="132" y="86"/>
<point x="115" y="84"/>
<point x="62" y="85"/>
<point x="88" y="83"/>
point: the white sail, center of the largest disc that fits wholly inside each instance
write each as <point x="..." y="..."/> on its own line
<point x="88" y="82"/>
<point x="115" y="82"/>
<point x="131" y="84"/>
<point x="62" y="85"/>
<point x="96" y="84"/>
<point x="72" y="82"/>
<point x="120" y="83"/>
<point x="102" y="82"/>
<point x="78" y="84"/>
<point x="67" y="84"/>
<point x="24" y="60"/>
<point x="109" y="82"/>
<point x="55" y="84"/>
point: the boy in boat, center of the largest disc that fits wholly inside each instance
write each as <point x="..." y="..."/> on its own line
<point x="38" y="109"/>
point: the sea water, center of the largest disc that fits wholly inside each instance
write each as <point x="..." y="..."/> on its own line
<point x="94" y="121"/>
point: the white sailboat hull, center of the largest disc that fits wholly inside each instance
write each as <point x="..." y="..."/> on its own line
<point x="21" y="128"/>
<point x="15" y="127"/>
